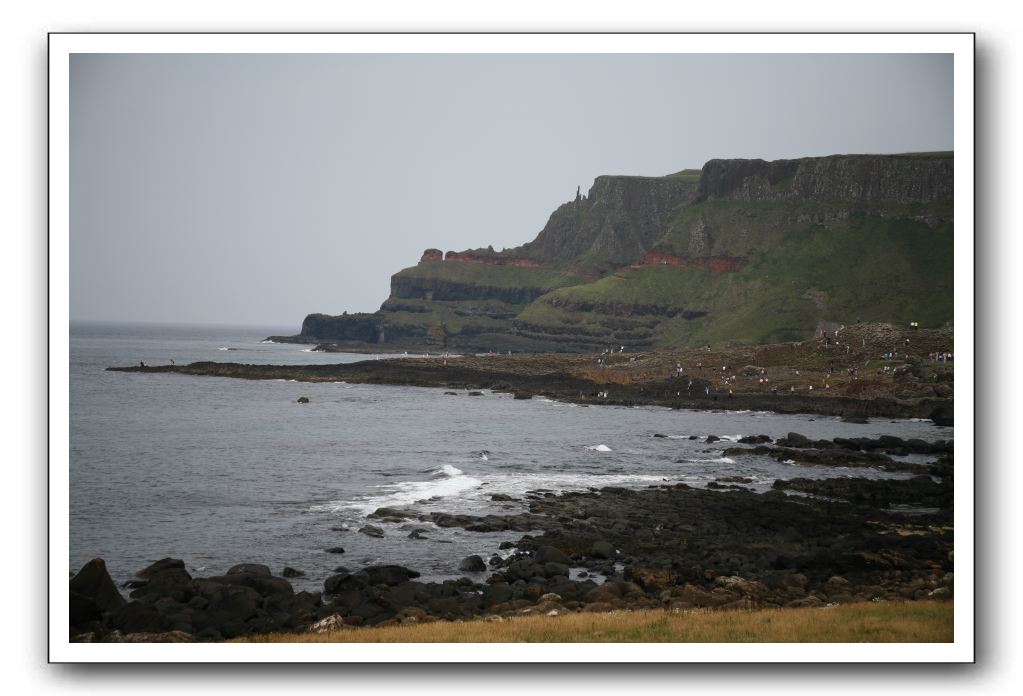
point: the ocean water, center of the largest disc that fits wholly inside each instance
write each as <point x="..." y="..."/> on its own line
<point x="220" y="471"/>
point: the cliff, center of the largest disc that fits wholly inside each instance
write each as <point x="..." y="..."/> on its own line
<point x="744" y="251"/>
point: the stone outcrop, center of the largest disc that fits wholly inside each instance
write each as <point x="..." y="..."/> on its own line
<point x="616" y="222"/>
<point x="860" y="179"/>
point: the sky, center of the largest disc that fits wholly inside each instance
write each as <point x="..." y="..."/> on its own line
<point x="256" y="189"/>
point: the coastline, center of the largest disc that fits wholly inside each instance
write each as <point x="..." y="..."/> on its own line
<point x="805" y="543"/>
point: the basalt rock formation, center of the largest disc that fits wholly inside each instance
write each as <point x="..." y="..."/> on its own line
<point x="742" y="251"/>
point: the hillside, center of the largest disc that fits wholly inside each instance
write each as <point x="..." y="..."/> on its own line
<point x="742" y="251"/>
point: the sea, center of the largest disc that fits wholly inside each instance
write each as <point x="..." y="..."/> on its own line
<point x="218" y="471"/>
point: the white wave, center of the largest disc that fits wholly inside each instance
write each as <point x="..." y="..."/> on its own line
<point x="725" y="460"/>
<point x="599" y="448"/>
<point x="268" y="341"/>
<point x="223" y="348"/>
<point x="307" y="350"/>
<point x="788" y="461"/>
<point x="454" y="483"/>
<point x="484" y="457"/>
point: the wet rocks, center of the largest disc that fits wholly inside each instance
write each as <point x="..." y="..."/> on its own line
<point x="472" y="564"/>
<point x="371" y="530"/>
<point x="290" y="572"/>
<point x="337" y="549"/>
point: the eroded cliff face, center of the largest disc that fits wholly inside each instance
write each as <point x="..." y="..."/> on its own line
<point x="744" y="250"/>
<point x="614" y="224"/>
<point x="855" y="179"/>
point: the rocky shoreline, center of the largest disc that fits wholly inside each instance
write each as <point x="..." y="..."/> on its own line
<point x="669" y="546"/>
<point x="862" y="371"/>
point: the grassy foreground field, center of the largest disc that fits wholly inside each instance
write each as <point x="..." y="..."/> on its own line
<point x="910" y="622"/>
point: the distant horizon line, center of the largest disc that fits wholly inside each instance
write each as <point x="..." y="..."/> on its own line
<point x="150" y="322"/>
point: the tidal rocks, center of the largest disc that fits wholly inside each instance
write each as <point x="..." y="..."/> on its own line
<point x="290" y="572"/>
<point x="337" y="549"/>
<point x="303" y="400"/>
<point x="918" y="490"/>
<point x="172" y="605"/>
<point x="371" y="530"/>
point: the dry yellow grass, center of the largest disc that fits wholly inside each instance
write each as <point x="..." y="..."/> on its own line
<point x="911" y="622"/>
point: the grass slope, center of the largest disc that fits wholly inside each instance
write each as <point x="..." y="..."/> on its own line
<point x="862" y="268"/>
<point x="914" y="622"/>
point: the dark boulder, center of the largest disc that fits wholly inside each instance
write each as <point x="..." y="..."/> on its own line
<point x="160" y="566"/>
<point x="93" y="583"/>
<point x="603" y="549"/>
<point x="549" y="554"/>
<point x="249" y="568"/>
<point x="290" y="572"/>
<point x="303" y="399"/>
<point x="472" y="564"/>
<point x="944" y="415"/>
<point x="136" y="617"/>
<point x="371" y="530"/>
<point x="389" y="574"/>
<point x="345" y="582"/>
<point x="335" y="549"/>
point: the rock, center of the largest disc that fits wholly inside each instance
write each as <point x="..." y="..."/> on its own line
<point x="290" y="572"/>
<point x="858" y="420"/>
<point x="339" y="549"/>
<point x="944" y="415"/>
<point x="549" y="554"/>
<point x="475" y="393"/>
<point x="93" y="583"/>
<point x="159" y="566"/>
<point x="712" y="438"/>
<point x="389" y="514"/>
<point x="371" y="530"/>
<point x="754" y="439"/>
<point x="472" y="564"/>
<point x="660" y="435"/>
<point x="163" y="637"/>
<point x="249" y="568"/>
<point x="303" y="399"/>
<point x="345" y="582"/>
<point x="334" y="622"/>
<point x="450" y="393"/>
<point x="523" y="395"/>
<point x="603" y="550"/>
<point x="389" y="574"/>
<point x="794" y="440"/>
<point x="136" y="617"/>
<point x="502" y="498"/>
<point x="553" y="570"/>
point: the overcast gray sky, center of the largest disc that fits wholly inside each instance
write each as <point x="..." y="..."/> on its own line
<point x="255" y="189"/>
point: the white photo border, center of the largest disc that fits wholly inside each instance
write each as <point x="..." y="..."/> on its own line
<point x="62" y="45"/>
